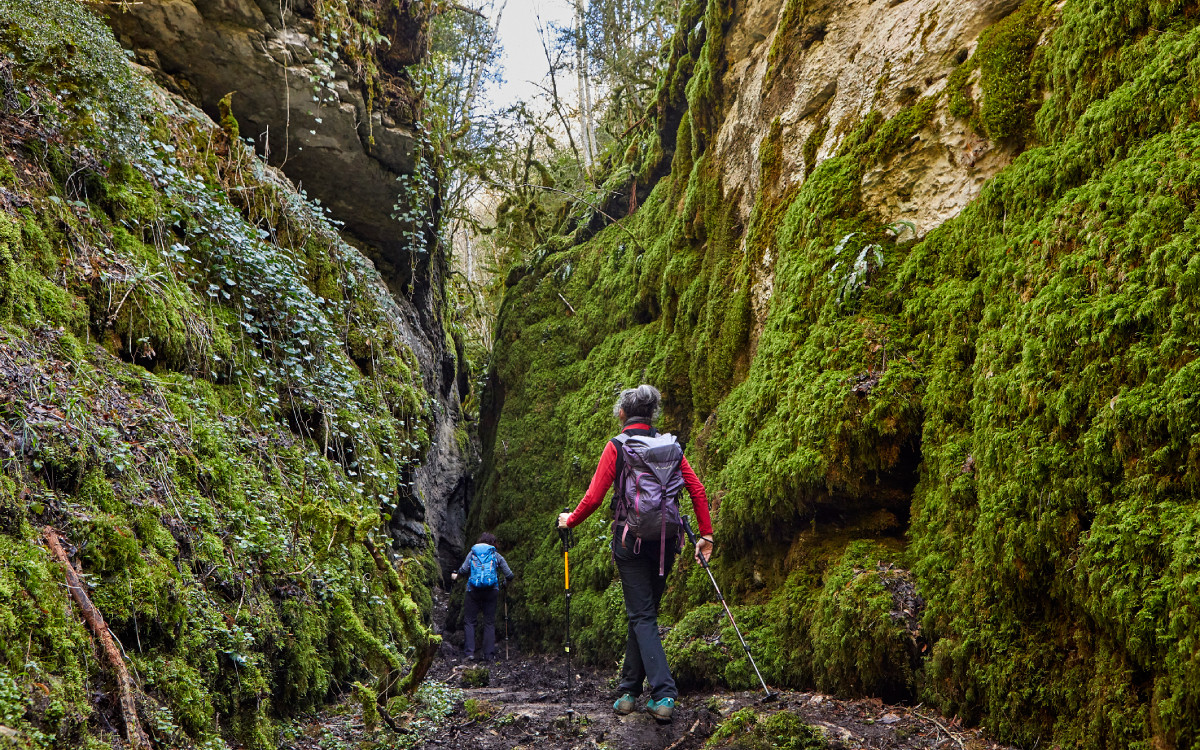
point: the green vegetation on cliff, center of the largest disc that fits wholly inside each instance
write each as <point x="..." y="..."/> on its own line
<point x="1005" y="406"/>
<point x="209" y="395"/>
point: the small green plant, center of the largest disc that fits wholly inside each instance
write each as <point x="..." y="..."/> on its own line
<point x="13" y="701"/>
<point x="851" y="279"/>
<point x="437" y="700"/>
<point x="479" y="710"/>
<point x="477" y="677"/>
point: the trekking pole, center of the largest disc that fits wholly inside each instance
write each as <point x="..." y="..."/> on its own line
<point x="691" y="536"/>
<point x="505" y="623"/>
<point x="565" y="536"/>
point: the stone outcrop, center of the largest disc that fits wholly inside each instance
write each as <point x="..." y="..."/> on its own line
<point x="303" y="106"/>
<point x="838" y="64"/>
<point x="822" y="72"/>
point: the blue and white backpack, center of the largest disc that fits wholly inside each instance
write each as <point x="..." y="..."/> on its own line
<point x="483" y="566"/>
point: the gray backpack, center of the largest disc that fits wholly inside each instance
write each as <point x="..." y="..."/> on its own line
<point x="646" y="490"/>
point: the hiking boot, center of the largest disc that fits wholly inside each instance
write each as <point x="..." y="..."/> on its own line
<point x="661" y="710"/>
<point x="624" y="705"/>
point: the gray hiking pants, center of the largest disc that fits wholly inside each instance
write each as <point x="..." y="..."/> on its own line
<point x="643" y="587"/>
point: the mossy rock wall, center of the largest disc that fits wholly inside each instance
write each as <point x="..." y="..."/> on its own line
<point x="1004" y="405"/>
<point x="209" y="396"/>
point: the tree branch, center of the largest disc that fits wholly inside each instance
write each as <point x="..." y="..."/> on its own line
<point x="584" y="201"/>
<point x="445" y="7"/>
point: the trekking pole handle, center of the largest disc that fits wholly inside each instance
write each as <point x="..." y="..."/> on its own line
<point x="564" y="533"/>
<point x="687" y="526"/>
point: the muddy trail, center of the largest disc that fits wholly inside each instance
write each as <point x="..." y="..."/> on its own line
<point x="521" y="702"/>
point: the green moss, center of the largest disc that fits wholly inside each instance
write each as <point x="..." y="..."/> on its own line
<point x="27" y="297"/>
<point x="786" y="33"/>
<point x="858" y="647"/>
<point x="1005" y="51"/>
<point x="812" y="143"/>
<point x="225" y="117"/>
<point x="1007" y="85"/>
<point x="703" y="86"/>
<point x="696" y="658"/>
<point x="746" y="730"/>
<point x="365" y="697"/>
<point x="961" y="104"/>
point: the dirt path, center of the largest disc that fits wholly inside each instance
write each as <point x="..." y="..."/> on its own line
<point x="521" y="704"/>
<point x="526" y="705"/>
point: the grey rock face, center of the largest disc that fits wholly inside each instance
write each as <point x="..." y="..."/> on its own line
<point x="303" y="107"/>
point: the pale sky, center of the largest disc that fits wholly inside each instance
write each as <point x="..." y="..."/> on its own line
<point x="523" y="60"/>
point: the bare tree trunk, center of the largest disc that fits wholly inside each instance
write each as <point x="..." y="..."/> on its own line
<point x="585" y="95"/>
<point x="133" y="731"/>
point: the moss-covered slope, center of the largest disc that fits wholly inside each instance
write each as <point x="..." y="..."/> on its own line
<point x="209" y="396"/>
<point x="1006" y="406"/>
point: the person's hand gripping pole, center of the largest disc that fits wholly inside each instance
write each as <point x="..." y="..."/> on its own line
<point x="564" y="534"/>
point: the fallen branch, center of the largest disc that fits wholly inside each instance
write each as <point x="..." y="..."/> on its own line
<point x="133" y="731"/>
<point x="938" y="724"/>
<point x="629" y="129"/>
<point x="686" y="734"/>
<point x="386" y="715"/>
<point x="568" y="304"/>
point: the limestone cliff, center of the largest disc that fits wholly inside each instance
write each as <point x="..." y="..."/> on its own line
<point x="916" y="279"/>
<point x="338" y="122"/>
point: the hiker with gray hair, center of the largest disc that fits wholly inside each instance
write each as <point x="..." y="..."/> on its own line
<point x="646" y="471"/>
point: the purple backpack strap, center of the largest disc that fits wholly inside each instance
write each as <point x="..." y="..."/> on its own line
<point x="662" y="546"/>
<point x="620" y="503"/>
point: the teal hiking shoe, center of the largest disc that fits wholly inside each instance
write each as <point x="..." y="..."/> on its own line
<point x="661" y="710"/>
<point x="624" y="705"/>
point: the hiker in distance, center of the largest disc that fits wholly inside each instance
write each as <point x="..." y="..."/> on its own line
<point x="483" y="589"/>
<point x="646" y="472"/>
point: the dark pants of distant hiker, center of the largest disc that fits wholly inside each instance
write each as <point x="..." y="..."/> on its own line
<point x="481" y="600"/>
<point x="643" y="587"/>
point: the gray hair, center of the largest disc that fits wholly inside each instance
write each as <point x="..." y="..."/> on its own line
<point x="642" y="401"/>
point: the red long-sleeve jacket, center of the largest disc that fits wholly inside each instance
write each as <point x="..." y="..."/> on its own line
<point x="606" y="472"/>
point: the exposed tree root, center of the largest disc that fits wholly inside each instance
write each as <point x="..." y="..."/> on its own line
<point x="133" y="730"/>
